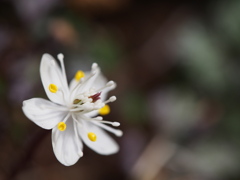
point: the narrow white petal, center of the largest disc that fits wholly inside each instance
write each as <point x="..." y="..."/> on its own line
<point x="73" y="84"/>
<point x="51" y="73"/>
<point x="100" y="82"/>
<point x="43" y="112"/>
<point x="92" y="113"/>
<point x="67" y="145"/>
<point x="104" y="144"/>
<point x="89" y="80"/>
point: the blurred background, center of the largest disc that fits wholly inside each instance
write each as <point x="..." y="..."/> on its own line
<point x="176" y="65"/>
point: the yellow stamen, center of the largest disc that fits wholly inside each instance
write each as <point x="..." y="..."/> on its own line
<point x="104" y="110"/>
<point x="62" y="126"/>
<point x="79" y="75"/>
<point x="92" y="136"/>
<point x="53" y="88"/>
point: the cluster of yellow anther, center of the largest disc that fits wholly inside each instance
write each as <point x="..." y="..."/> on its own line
<point x="62" y="126"/>
<point x="53" y="88"/>
<point x="92" y="136"/>
<point x="79" y="75"/>
<point x="104" y="110"/>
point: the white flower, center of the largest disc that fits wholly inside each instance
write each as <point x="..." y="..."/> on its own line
<point x="71" y="110"/>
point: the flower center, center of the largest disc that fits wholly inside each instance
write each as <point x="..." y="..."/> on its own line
<point x="95" y="97"/>
<point x="87" y="102"/>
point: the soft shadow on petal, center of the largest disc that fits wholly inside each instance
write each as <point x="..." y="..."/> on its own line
<point x="100" y="82"/>
<point x="50" y="73"/>
<point x="90" y="83"/>
<point x="92" y="113"/>
<point x="86" y="84"/>
<point x="42" y="112"/>
<point x="67" y="145"/>
<point x="73" y="83"/>
<point x="104" y="144"/>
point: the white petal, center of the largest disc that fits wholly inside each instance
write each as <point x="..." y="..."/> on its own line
<point x="87" y="83"/>
<point x="67" y="145"/>
<point x="73" y="84"/>
<point x="91" y="81"/>
<point x="51" y="73"/>
<point x="104" y="144"/>
<point x="100" y="82"/>
<point x="92" y="113"/>
<point x="43" y="112"/>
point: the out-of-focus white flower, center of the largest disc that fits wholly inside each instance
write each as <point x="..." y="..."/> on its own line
<point x="71" y="109"/>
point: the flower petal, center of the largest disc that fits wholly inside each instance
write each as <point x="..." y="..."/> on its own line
<point x="92" y="113"/>
<point x="67" y="145"/>
<point x="104" y="144"/>
<point x="73" y="83"/>
<point x="100" y="82"/>
<point x="43" y="112"/>
<point x="51" y="73"/>
<point x="86" y="83"/>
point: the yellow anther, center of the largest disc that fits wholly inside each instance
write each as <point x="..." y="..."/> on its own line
<point x="79" y="75"/>
<point x="104" y="110"/>
<point x="76" y="101"/>
<point x="92" y="136"/>
<point x="53" y="88"/>
<point x="62" y="126"/>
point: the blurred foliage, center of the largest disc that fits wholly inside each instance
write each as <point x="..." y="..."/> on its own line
<point x="106" y="52"/>
<point x="134" y="107"/>
<point x="203" y="59"/>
